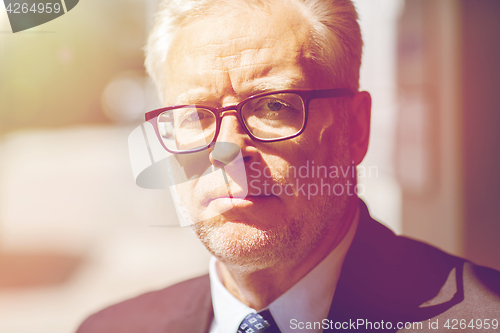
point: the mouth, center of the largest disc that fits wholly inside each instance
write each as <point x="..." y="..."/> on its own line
<point x="243" y="201"/>
<point x="240" y="198"/>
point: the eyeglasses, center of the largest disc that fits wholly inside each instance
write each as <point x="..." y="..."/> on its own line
<point x="268" y="117"/>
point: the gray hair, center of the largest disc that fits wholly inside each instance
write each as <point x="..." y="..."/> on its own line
<point x="336" y="36"/>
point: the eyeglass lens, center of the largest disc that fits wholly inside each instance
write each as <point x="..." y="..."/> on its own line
<point x="268" y="117"/>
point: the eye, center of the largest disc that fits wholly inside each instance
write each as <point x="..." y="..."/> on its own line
<point x="273" y="110"/>
<point x="271" y="105"/>
<point x="275" y="105"/>
<point x="190" y="116"/>
<point x="195" y="116"/>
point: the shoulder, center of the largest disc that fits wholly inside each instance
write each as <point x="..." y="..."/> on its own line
<point x="400" y="279"/>
<point x="156" y="311"/>
<point x="478" y="289"/>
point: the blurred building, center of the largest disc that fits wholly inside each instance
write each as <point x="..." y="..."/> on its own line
<point x="448" y="153"/>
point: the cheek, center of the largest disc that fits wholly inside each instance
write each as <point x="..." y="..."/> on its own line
<point x="277" y="168"/>
<point x="295" y="155"/>
<point x="322" y="123"/>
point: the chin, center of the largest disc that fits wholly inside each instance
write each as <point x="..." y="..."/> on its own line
<point x="249" y="248"/>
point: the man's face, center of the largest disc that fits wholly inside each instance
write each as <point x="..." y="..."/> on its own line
<point x="219" y="60"/>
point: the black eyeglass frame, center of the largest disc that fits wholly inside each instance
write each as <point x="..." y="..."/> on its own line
<point x="305" y="94"/>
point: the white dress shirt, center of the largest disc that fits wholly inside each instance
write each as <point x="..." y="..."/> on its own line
<point x="309" y="300"/>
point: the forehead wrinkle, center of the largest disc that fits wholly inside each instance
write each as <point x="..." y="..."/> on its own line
<point x="201" y="89"/>
<point x="267" y="84"/>
<point x="225" y="43"/>
<point x="256" y="68"/>
<point x="240" y="59"/>
<point x="248" y="52"/>
<point x="264" y="77"/>
<point x="231" y="58"/>
<point x="245" y="35"/>
<point x="192" y="96"/>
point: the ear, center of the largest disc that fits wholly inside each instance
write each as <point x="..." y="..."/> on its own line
<point x="359" y="125"/>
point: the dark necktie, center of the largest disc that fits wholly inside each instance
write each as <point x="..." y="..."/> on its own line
<point x="258" y="323"/>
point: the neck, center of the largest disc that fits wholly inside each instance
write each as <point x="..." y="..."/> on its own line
<point x="258" y="289"/>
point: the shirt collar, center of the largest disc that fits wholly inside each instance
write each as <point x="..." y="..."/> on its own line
<point x="309" y="300"/>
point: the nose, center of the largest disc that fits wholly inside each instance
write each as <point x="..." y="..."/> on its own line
<point x="223" y="153"/>
<point x="231" y="139"/>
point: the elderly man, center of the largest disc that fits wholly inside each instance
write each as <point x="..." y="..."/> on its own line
<point x="278" y="79"/>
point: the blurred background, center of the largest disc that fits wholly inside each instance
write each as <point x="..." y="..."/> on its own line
<point x="76" y="233"/>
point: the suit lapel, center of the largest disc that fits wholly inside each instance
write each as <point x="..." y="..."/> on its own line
<point x="386" y="277"/>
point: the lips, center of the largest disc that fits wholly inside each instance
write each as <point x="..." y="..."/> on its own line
<point x="224" y="204"/>
<point x="223" y="194"/>
<point x="220" y="184"/>
<point x="233" y="190"/>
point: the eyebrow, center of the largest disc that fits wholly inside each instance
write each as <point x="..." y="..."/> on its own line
<point x="193" y="96"/>
<point x="201" y="95"/>
<point x="285" y="83"/>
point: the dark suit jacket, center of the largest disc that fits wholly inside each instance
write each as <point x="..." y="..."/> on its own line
<point x="385" y="278"/>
